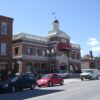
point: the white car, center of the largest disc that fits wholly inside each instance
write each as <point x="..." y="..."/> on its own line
<point x="89" y="74"/>
<point x="63" y="73"/>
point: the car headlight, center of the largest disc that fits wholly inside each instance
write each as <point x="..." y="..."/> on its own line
<point x="6" y="85"/>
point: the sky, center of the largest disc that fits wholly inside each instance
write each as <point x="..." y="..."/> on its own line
<point x="80" y="19"/>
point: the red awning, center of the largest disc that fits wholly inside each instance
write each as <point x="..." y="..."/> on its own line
<point x="64" y="46"/>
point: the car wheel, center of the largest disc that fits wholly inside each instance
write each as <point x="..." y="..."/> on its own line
<point x="62" y="83"/>
<point x="97" y="77"/>
<point x="13" y="89"/>
<point x="67" y="76"/>
<point x="32" y="86"/>
<point x="90" y="78"/>
<point x="82" y="78"/>
<point x="50" y="84"/>
<point x="39" y="85"/>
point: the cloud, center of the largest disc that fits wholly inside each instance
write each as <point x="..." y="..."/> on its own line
<point x="82" y="51"/>
<point x="94" y="44"/>
<point x="73" y="42"/>
<point x="95" y="48"/>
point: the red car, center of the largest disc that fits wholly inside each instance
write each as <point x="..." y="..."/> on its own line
<point x="50" y="80"/>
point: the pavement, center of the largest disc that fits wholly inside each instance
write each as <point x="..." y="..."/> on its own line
<point x="70" y="80"/>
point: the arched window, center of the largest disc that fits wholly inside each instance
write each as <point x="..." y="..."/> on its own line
<point x="39" y="52"/>
<point x="63" y="66"/>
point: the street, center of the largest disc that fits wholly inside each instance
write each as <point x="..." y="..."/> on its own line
<point x="71" y="90"/>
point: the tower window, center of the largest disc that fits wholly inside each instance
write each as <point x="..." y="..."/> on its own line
<point x="3" y="28"/>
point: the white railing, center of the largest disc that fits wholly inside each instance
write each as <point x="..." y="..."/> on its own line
<point x="75" y="45"/>
<point x="35" y="57"/>
<point x="74" y="60"/>
<point x="30" y="37"/>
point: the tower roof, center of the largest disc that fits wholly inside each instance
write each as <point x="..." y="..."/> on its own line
<point x="56" y="30"/>
<point x="55" y="21"/>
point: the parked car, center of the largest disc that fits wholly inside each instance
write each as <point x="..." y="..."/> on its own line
<point x="18" y="82"/>
<point x="89" y="74"/>
<point x="63" y="73"/>
<point x="50" y="80"/>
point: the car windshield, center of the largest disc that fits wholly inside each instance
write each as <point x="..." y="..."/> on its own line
<point x="14" y="79"/>
<point x="46" y="76"/>
<point x="61" y="71"/>
<point x="87" y="71"/>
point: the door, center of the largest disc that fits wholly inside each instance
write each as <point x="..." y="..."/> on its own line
<point x="55" y="79"/>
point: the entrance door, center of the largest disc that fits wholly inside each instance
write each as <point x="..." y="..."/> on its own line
<point x="63" y="66"/>
<point x="2" y="72"/>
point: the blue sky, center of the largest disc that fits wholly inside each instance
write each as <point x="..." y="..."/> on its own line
<point x="80" y="19"/>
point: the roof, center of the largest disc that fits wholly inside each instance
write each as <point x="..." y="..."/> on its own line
<point x="6" y="17"/>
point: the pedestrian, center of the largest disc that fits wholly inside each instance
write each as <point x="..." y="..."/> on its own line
<point x="35" y="74"/>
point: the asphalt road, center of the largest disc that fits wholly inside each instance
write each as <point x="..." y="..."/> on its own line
<point x="78" y="90"/>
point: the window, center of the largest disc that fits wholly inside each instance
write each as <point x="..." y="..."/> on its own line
<point x="67" y="52"/>
<point x="29" y="51"/>
<point x="35" y="51"/>
<point x="3" y="48"/>
<point x="39" y="52"/>
<point x="43" y="52"/>
<point x="63" y="40"/>
<point x="16" y="51"/>
<point x="52" y="52"/>
<point x="73" y="56"/>
<point x="48" y="51"/>
<point x="3" y="28"/>
<point x="78" y="56"/>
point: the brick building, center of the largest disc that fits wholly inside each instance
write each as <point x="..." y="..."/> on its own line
<point x="6" y="28"/>
<point x="45" y="54"/>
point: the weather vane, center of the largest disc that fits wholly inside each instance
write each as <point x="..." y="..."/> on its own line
<point x="54" y="15"/>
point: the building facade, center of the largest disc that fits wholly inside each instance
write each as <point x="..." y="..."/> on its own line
<point x="45" y="54"/>
<point x="89" y="61"/>
<point x="6" y="28"/>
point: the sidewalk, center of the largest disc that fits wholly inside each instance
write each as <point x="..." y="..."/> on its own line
<point x="69" y="80"/>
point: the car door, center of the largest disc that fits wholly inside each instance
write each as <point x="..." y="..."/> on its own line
<point x="20" y="83"/>
<point x="26" y="82"/>
<point x="55" y="79"/>
<point x="23" y="82"/>
<point x="58" y="79"/>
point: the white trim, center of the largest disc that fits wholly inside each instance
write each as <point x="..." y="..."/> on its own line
<point x="57" y="58"/>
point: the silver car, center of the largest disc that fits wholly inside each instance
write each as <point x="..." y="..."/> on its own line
<point x="63" y="73"/>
